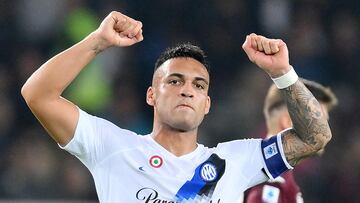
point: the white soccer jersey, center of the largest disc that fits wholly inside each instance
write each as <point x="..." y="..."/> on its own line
<point x="127" y="167"/>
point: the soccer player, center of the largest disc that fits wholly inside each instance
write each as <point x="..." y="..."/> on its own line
<point x="284" y="189"/>
<point x="168" y="165"/>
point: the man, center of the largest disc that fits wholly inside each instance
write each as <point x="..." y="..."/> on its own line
<point x="284" y="189"/>
<point x="169" y="165"/>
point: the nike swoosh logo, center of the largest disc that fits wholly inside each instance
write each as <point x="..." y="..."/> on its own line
<point x="141" y="168"/>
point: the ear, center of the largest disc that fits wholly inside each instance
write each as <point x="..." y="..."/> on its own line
<point x="207" y="105"/>
<point x="150" y="96"/>
<point x="325" y="110"/>
<point x="285" y="120"/>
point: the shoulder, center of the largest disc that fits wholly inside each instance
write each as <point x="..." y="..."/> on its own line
<point x="242" y="154"/>
<point x="239" y="145"/>
<point x="96" y="132"/>
<point x="101" y="125"/>
<point x="244" y="146"/>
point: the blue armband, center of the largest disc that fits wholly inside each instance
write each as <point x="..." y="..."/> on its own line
<point x="274" y="157"/>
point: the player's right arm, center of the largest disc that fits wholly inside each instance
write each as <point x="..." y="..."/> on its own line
<point x="42" y="91"/>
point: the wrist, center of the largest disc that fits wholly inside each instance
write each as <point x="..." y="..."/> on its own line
<point x="287" y="79"/>
<point x="279" y="72"/>
<point x="98" y="44"/>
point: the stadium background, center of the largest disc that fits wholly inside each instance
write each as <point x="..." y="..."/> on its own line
<point x="322" y="37"/>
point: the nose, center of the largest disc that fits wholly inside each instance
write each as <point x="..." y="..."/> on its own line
<point x="187" y="90"/>
<point x="187" y="95"/>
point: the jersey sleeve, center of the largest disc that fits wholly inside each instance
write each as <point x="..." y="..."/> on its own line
<point x="255" y="160"/>
<point x="96" y="138"/>
<point x="275" y="162"/>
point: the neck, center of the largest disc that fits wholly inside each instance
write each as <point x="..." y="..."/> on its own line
<point x="176" y="142"/>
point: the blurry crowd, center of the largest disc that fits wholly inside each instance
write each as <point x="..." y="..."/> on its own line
<point x="322" y="37"/>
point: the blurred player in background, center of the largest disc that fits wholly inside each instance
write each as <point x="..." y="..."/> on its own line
<point x="284" y="188"/>
<point x="168" y="165"/>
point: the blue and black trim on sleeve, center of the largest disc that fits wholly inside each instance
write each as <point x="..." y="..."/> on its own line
<point x="274" y="157"/>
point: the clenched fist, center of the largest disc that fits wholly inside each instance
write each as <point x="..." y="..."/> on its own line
<point x="118" y="29"/>
<point x="271" y="55"/>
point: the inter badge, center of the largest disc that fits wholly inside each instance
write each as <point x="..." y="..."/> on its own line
<point x="208" y="172"/>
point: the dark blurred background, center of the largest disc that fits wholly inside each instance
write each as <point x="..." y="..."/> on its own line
<point x="322" y="36"/>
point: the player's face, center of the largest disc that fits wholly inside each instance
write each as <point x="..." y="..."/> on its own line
<point x="180" y="94"/>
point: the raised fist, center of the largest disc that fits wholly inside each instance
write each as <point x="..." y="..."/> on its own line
<point x="118" y="29"/>
<point x="271" y="55"/>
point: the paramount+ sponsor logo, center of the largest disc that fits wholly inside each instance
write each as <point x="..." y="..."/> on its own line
<point x="149" y="195"/>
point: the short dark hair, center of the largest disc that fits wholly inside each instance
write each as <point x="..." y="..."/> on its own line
<point x="274" y="99"/>
<point x="186" y="50"/>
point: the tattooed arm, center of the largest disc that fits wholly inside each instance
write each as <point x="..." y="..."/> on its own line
<point x="42" y="91"/>
<point x="311" y="131"/>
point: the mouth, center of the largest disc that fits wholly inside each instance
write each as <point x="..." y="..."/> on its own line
<point x="184" y="106"/>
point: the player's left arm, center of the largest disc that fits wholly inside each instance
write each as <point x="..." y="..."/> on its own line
<point x="310" y="132"/>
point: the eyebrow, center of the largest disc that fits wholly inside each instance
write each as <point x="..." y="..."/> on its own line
<point x="179" y="75"/>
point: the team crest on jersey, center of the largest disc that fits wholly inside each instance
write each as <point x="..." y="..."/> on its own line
<point x="203" y="183"/>
<point x="208" y="172"/>
<point x="156" y="161"/>
<point x="270" y="151"/>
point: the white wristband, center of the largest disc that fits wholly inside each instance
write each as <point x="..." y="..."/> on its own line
<point x="286" y="80"/>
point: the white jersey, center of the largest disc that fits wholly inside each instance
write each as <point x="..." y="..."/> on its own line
<point x="132" y="168"/>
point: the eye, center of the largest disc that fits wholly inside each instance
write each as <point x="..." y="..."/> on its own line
<point x="199" y="86"/>
<point x="174" y="82"/>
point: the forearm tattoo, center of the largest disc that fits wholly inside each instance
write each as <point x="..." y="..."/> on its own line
<point x="310" y="128"/>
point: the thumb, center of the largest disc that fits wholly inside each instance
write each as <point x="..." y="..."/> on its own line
<point x="249" y="50"/>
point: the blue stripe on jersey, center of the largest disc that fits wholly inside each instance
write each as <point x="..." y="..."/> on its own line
<point x="192" y="187"/>
<point x="197" y="185"/>
<point x="272" y="156"/>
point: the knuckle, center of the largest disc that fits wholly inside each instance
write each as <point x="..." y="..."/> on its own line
<point x="113" y="13"/>
<point x="140" y="23"/>
<point x="124" y="19"/>
<point x="132" y="21"/>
